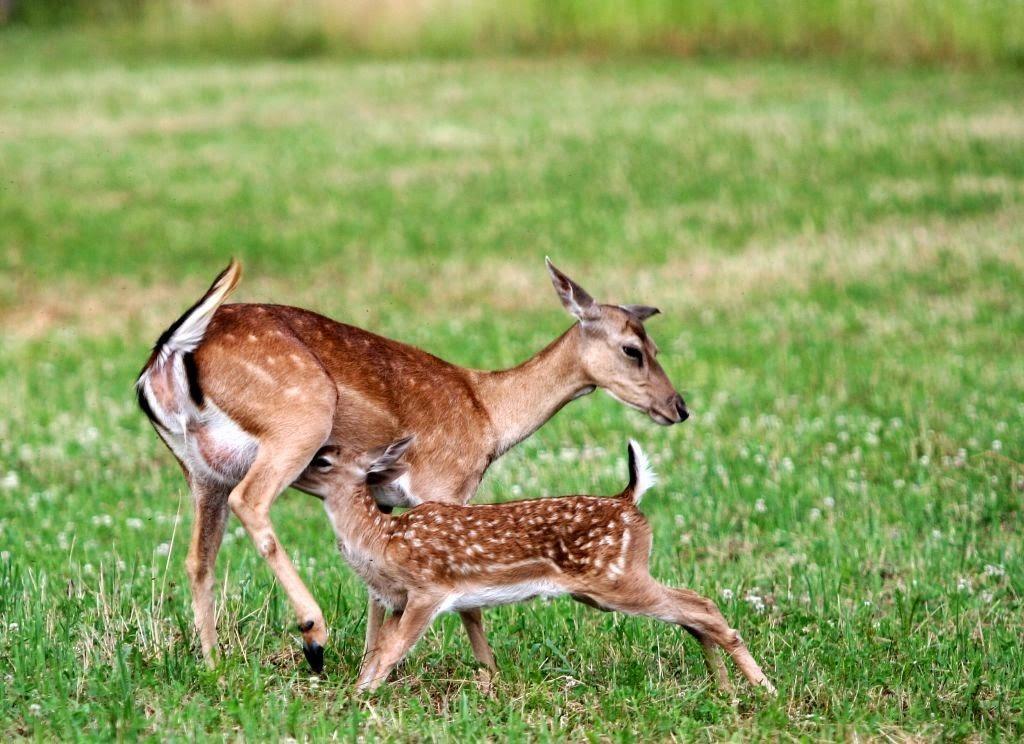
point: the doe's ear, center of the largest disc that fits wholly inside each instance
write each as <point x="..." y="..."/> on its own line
<point x="640" y="312"/>
<point x="386" y="462"/>
<point x="573" y="296"/>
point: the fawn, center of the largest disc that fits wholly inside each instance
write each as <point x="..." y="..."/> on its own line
<point x="442" y="557"/>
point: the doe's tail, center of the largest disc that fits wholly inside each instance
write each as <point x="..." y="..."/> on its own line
<point x="172" y="363"/>
<point x="641" y="475"/>
<point x="186" y="332"/>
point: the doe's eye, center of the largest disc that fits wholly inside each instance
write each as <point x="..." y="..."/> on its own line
<point x="633" y="353"/>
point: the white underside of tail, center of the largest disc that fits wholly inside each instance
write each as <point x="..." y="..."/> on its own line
<point x="646" y="478"/>
<point x="189" y="334"/>
<point x="206" y="440"/>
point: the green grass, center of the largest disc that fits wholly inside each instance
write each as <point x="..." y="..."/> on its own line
<point x="839" y="256"/>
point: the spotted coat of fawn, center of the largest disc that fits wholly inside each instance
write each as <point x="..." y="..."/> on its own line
<point x="246" y="395"/>
<point x="442" y="557"/>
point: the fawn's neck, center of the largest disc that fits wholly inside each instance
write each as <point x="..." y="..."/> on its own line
<point x="359" y="525"/>
<point x="520" y="400"/>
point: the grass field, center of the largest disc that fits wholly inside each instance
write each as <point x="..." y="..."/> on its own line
<point x="839" y="257"/>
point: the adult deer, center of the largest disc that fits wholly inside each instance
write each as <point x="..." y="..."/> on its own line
<point x="437" y="558"/>
<point x="247" y="395"/>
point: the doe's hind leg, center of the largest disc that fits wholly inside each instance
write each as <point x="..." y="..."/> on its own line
<point x="210" y="512"/>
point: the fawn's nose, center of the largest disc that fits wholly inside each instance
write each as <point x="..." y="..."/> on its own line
<point x="680" y="406"/>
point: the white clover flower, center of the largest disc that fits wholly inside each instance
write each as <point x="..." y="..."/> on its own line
<point x="134" y="523"/>
<point x="815" y="514"/>
<point x="163" y="549"/>
<point x="829" y="502"/>
<point x="13" y="627"/>
<point x="239" y="532"/>
<point x="10" y="481"/>
<point x="871" y="439"/>
<point x="899" y="483"/>
<point x="755" y="601"/>
<point x="937" y="534"/>
<point x="867" y="602"/>
<point x="831" y="448"/>
<point x="787" y="464"/>
<point x="993" y="570"/>
<point x="35" y="709"/>
<point x="996" y="445"/>
<point x="726" y="594"/>
<point x="925" y="460"/>
<point x="986" y="597"/>
<point x="963" y="584"/>
<point x="760" y="506"/>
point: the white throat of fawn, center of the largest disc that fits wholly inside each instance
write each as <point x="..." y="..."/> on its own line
<point x="442" y="557"/>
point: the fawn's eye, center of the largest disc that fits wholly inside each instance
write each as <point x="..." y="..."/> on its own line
<point x="633" y="353"/>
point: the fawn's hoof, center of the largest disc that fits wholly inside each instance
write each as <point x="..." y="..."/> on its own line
<point x="314" y="653"/>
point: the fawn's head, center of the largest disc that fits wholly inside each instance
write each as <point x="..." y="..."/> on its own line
<point x="375" y="467"/>
<point x="618" y="355"/>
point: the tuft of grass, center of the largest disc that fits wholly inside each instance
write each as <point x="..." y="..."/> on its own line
<point x="839" y="258"/>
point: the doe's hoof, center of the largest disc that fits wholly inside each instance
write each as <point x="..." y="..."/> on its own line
<point x="314" y="653"/>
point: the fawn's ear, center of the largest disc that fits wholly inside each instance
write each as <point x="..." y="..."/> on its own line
<point x="574" y="298"/>
<point x="386" y="462"/>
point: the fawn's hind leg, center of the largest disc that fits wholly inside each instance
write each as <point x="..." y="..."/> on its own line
<point x="698" y="615"/>
<point x="702" y="618"/>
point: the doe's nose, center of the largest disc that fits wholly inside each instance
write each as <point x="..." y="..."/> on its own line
<point x="680" y="406"/>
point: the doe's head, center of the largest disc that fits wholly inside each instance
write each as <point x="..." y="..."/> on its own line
<point x="618" y="355"/>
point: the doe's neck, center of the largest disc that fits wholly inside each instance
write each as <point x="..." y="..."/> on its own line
<point x="523" y="398"/>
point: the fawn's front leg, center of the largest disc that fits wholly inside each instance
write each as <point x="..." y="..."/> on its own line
<point x="396" y="638"/>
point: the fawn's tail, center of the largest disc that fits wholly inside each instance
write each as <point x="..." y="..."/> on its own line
<point x="641" y="475"/>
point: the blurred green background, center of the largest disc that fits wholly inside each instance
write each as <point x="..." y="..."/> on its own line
<point x="826" y="200"/>
<point x="975" y="32"/>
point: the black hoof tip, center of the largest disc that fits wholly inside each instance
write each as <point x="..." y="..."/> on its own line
<point x="314" y="656"/>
